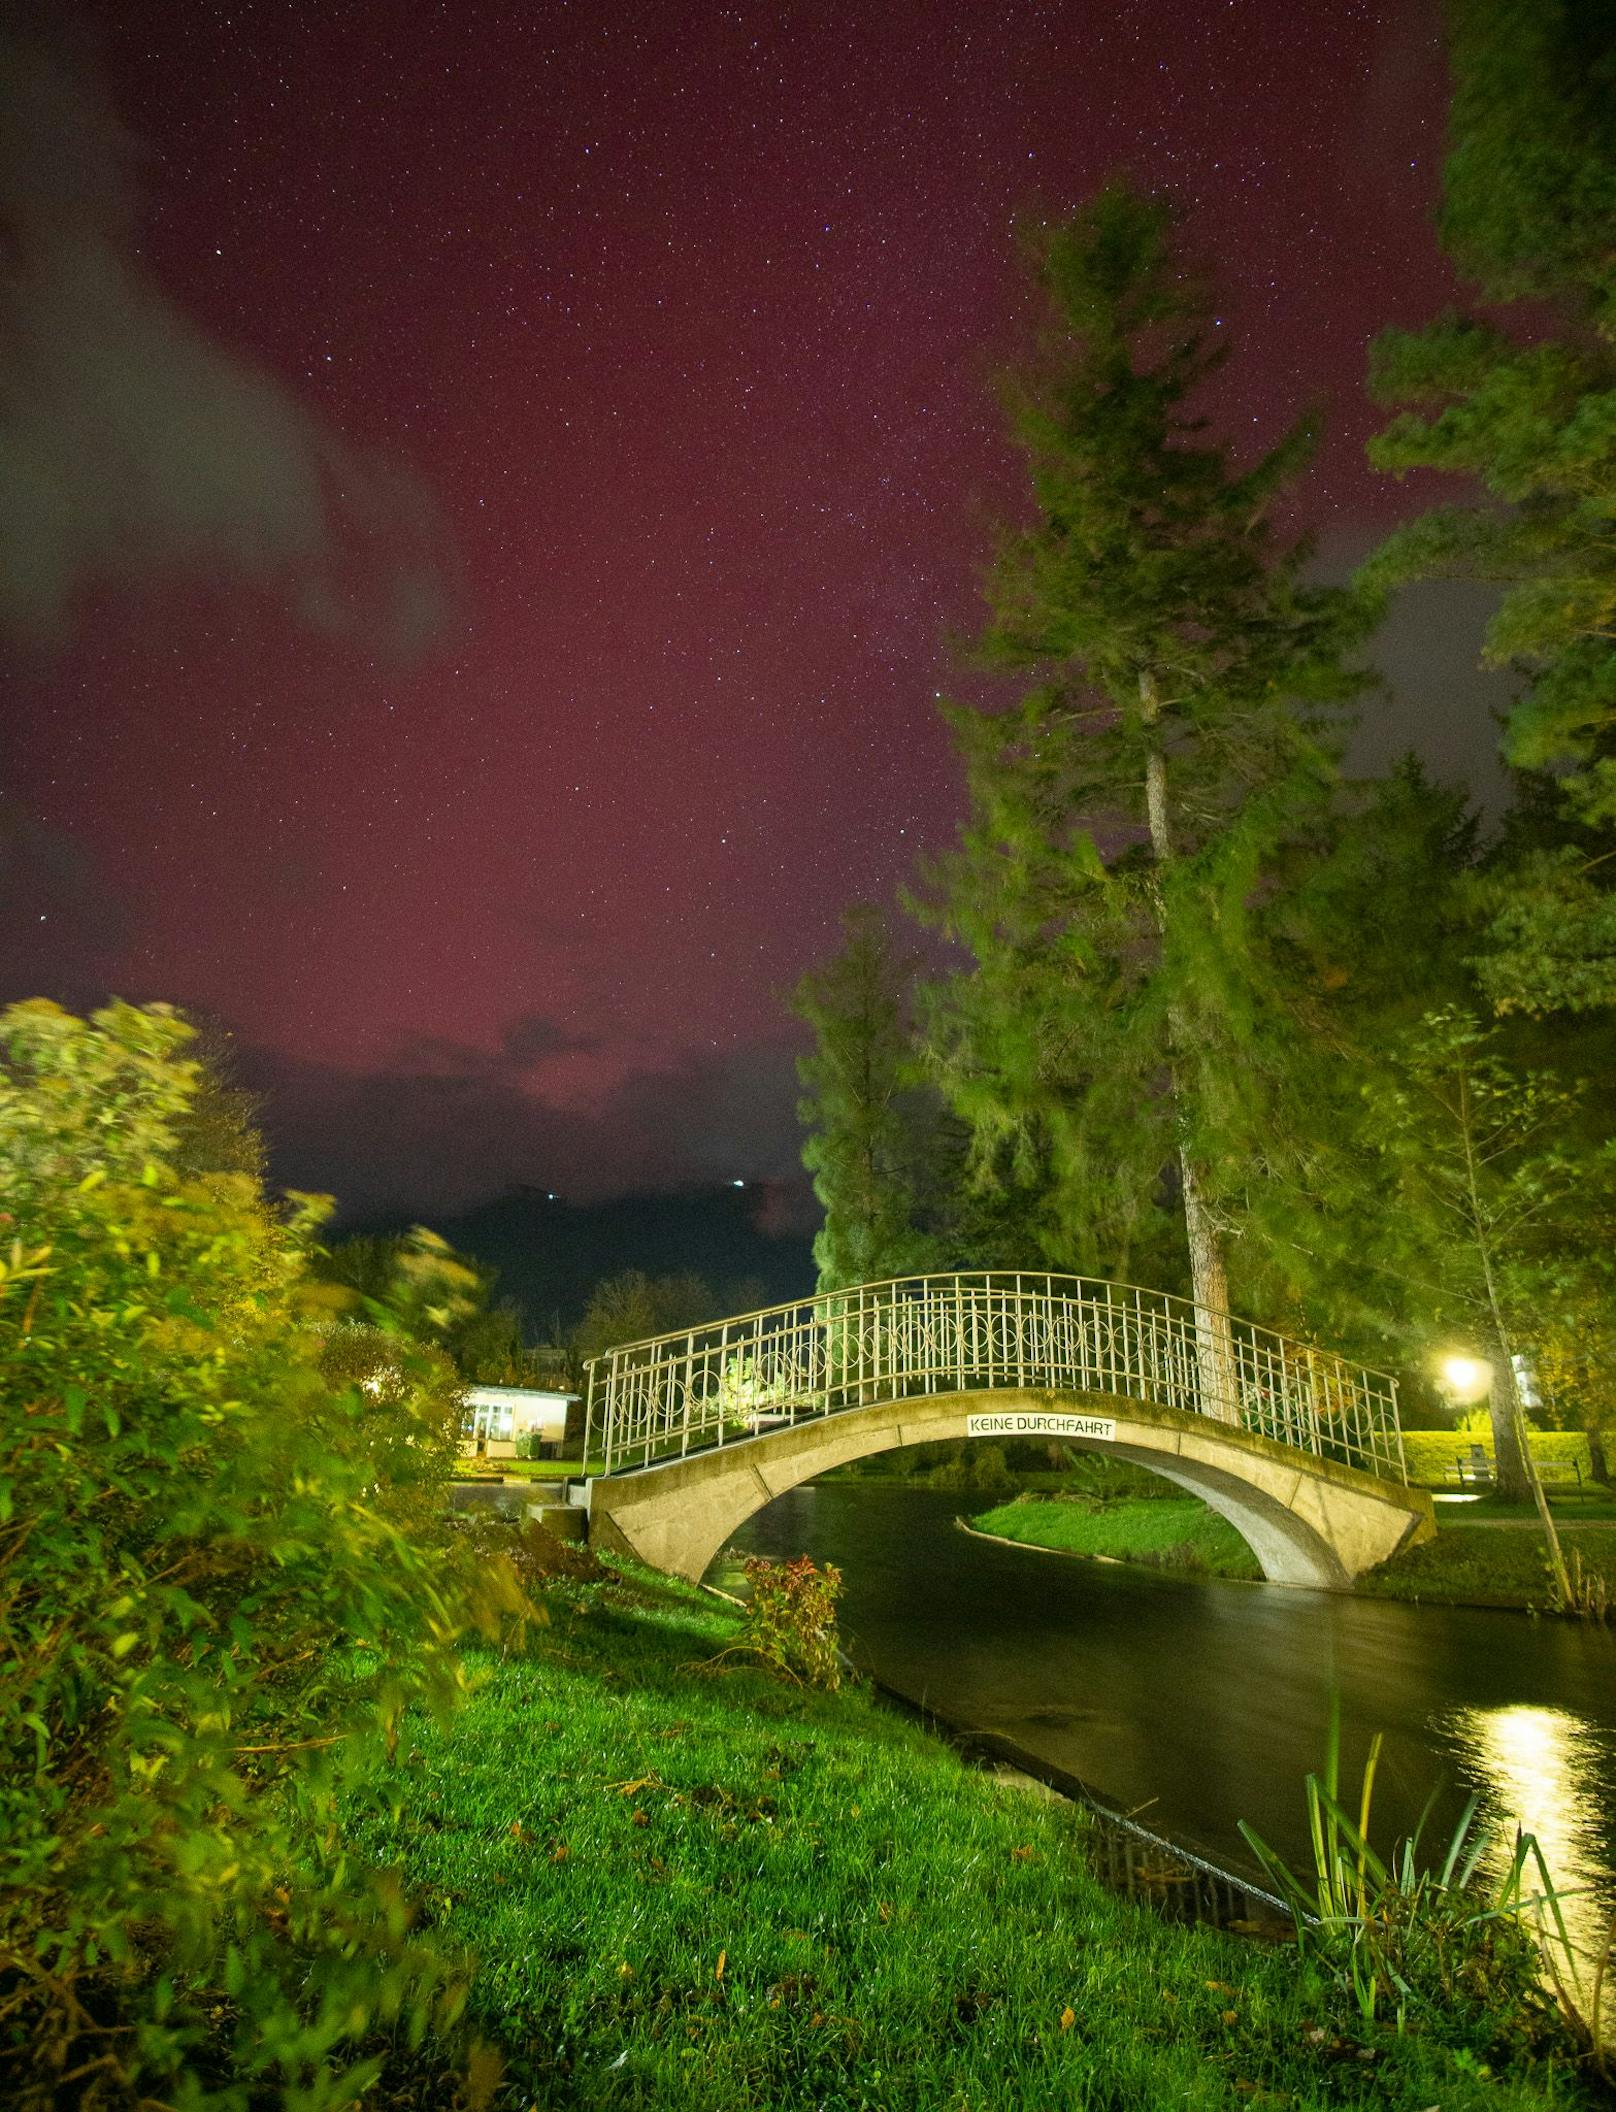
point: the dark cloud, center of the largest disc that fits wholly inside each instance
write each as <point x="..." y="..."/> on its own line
<point x="442" y="1133"/>
<point x="133" y="447"/>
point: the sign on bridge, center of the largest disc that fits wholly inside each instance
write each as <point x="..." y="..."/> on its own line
<point x="1036" y="1423"/>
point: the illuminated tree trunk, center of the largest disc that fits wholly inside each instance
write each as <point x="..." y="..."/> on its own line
<point x="1209" y="1277"/>
<point x="1517" y="1472"/>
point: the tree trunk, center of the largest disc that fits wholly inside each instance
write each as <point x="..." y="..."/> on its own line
<point x="1209" y="1281"/>
<point x="1598" y="1465"/>
<point x="1216" y="1369"/>
<point x="1509" y="1455"/>
<point x="1506" y="1394"/>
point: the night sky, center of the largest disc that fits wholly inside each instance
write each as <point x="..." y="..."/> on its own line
<point x="498" y="482"/>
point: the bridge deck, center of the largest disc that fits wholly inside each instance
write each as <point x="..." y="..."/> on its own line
<point x="683" y="1392"/>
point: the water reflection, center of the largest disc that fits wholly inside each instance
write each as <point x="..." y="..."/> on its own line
<point x="1548" y="1771"/>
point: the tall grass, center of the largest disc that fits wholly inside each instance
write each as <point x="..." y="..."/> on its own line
<point x="1439" y="1943"/>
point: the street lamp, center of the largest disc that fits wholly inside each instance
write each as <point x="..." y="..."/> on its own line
<point x="1467" y="1379"/>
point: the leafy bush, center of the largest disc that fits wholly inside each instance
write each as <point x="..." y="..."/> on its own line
<point x="1431" y="1453"/>
<point x="217" y="1598"/>
<point x="405" y="1405"/>
<point x="791" y="1618"/>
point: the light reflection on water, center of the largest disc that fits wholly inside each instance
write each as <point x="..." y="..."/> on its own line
<point x="1545" y="1770"/>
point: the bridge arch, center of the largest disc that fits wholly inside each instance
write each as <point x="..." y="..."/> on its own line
<point x="691" y="1433"/>
<point x="1309" y="1521"/>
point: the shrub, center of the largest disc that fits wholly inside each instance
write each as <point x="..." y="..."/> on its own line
<point x="211" y="1615"/>
<point x="1431" y="1453"/>
<point x="791" y="1618"/>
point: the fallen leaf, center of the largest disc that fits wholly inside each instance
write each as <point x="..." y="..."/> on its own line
<point x="642" y="1818"/>
<point x="1231" y="2016"/>
<point x="1068" y="2019"/>
<point x="722" y="1956"/>
<point x="1021" y="1855"/>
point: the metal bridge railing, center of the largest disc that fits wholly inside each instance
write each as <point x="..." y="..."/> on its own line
<point x="683" y="1392"/>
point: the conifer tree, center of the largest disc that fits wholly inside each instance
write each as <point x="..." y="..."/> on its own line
<point x="1367" y="930"/>
<point x="1126" y="814"/>
<point x="1527" y="406"/>
<point x="860" y="1107"/>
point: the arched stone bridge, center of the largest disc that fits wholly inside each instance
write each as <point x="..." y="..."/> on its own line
<point x="690" y="1433"/>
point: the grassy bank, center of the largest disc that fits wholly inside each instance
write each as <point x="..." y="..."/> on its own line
<point x="1176" y="1532"/>
<point x="1489" y="1565"/>
<point x="708" y="1889"/>
<point x="1487" y="1554"/>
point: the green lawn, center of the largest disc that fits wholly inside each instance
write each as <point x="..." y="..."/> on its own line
<point x="1570" y="1506"/>
<point x="1486" y="1553"/>
<point x="1481" y="1565"/>
<point x="716" y="1891"/>
<point x="524" y="1469"/>
<point x="1168" y="1532"/>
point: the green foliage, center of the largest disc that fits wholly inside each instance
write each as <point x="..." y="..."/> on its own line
<point x="1431" y="1453"/>
<point x="869" y="1123"/>
<point x="1528" y="409"/>
<point x="1491" y="1201"/>
<point x="1423" y="1943"/>
<point x="632" y="1306"/>
<point x="1530" y="182"/>
<point x="212" y="1616"/>
<point x="219" y="1129"/>
<point x="1131" y="817"/>
<point x="403" y="1404"/>
<point x="791" y="1619"/>
<point x="1493" y="1565"/>
<point x="416" y="1281"/>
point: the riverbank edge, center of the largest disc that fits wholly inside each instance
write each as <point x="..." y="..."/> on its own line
<point x="1388" y="1572"/>
<point x="991" y="1750"/>
<point x="635" y="1837"/>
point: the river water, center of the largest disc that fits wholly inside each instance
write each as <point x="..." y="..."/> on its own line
<point x="1195" y="1704"/>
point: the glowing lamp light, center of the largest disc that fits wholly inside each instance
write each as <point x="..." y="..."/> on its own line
<point x="1467" y="1378"/>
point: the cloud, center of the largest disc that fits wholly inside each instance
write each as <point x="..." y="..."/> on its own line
<point x="134" y="448"/>
<point x="441" y="1128"/>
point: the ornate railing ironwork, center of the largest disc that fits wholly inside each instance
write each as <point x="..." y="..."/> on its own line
<point x="706" y="1386"/>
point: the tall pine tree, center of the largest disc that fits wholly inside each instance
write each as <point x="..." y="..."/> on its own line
<point x="863" y="1108"/>
<point x="1123" y="1026"/>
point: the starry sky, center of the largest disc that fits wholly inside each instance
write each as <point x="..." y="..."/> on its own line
<point x="502" y="480"/>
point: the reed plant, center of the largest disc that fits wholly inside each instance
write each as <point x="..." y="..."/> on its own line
<point x="1471" y="1946"/>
